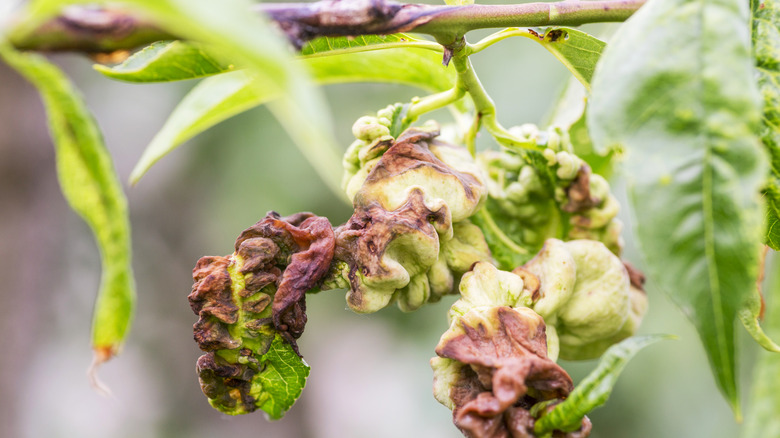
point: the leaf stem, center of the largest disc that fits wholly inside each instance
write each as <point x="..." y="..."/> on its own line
<point x="432" y="102"/>
<point x="502" y="35"/>
<point x="484" y="105"/>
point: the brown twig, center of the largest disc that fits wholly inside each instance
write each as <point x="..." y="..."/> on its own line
<point x="91" y="30"/>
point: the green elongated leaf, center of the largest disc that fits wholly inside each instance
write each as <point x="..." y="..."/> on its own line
<point x="250" y="41"/>
<point x="595" y="389"/>
<point x="766" y="50"/>
<point x="224" y="96"/>
<point x="178" y="60"/>
<point x="577" y="50"/>
<point x="687" y="115"/>
<point x="762" y="419"/>
<point x="283" y="378"/>
<point x="92" y="189"/>
<point x="166" y="61"/>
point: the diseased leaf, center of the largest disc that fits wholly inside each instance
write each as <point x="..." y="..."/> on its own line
<point x="577" y="50"/>
<point x="92" y="189"/>
<point x="762" y="419"/>
<point x="595" y="389"/>
<point x="687" y="115"/>
<point x="166" y="61"/>
<point x="283" y="378"/>
<point x="224" y="96"/>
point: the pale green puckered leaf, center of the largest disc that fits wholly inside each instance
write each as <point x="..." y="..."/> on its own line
<point x="282" y="379"/>
<point x="762" y="419"/>
<point x="166" y="61"/>
<point x="687" y="114"/>
<point x="576" y="50"/>
<point x="92" y="188"/>
<point x="595" y="389"/>
<point x="220" y="97"/>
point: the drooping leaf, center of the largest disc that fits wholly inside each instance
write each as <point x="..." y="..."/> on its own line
<point x="576" y="50"/>
<point x="595" y="389"/>
<point x="166" y="61"/>
<point x="92" y="188"/>
<point x="224" y="96"/>
<point x="687" y="115"/>
<point x="762" y="419"/>
<point x="283" y="378"/>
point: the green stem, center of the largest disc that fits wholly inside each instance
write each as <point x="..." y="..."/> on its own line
<point x="432" y="102"/>
<point x="485" y="107"/>
<point x="502" y="35"/>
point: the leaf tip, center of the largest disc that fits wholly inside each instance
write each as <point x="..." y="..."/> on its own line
<point x="101" y="355"/>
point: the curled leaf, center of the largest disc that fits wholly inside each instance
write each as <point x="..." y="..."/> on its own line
<point x="251" y="308"/>
<point x="492" y="367"/>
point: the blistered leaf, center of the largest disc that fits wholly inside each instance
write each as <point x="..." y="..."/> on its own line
<point x="91" y="187"/>
<point x="594" y="390"/>
<point x="762" y="419"/>
<point x="687" y="115"/>
<point x="224" y="96"/>
<point x="166" y="61"/>
<point x="576" y="50"/>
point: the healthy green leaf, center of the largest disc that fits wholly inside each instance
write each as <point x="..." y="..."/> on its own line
<point x="687" y="114"/>
<point x="594" y="390"/>
<point x="577" y="50"/>
<point x="762" y="418"/>
<point x="178" y="60"/>
<point x="166" y="61"/>
<point x="282" y="379"/>
<point x="221" y="97"/>
<point x="92" y="189"/>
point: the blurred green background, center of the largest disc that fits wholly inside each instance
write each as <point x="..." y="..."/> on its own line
<point x="370" y="373"/>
